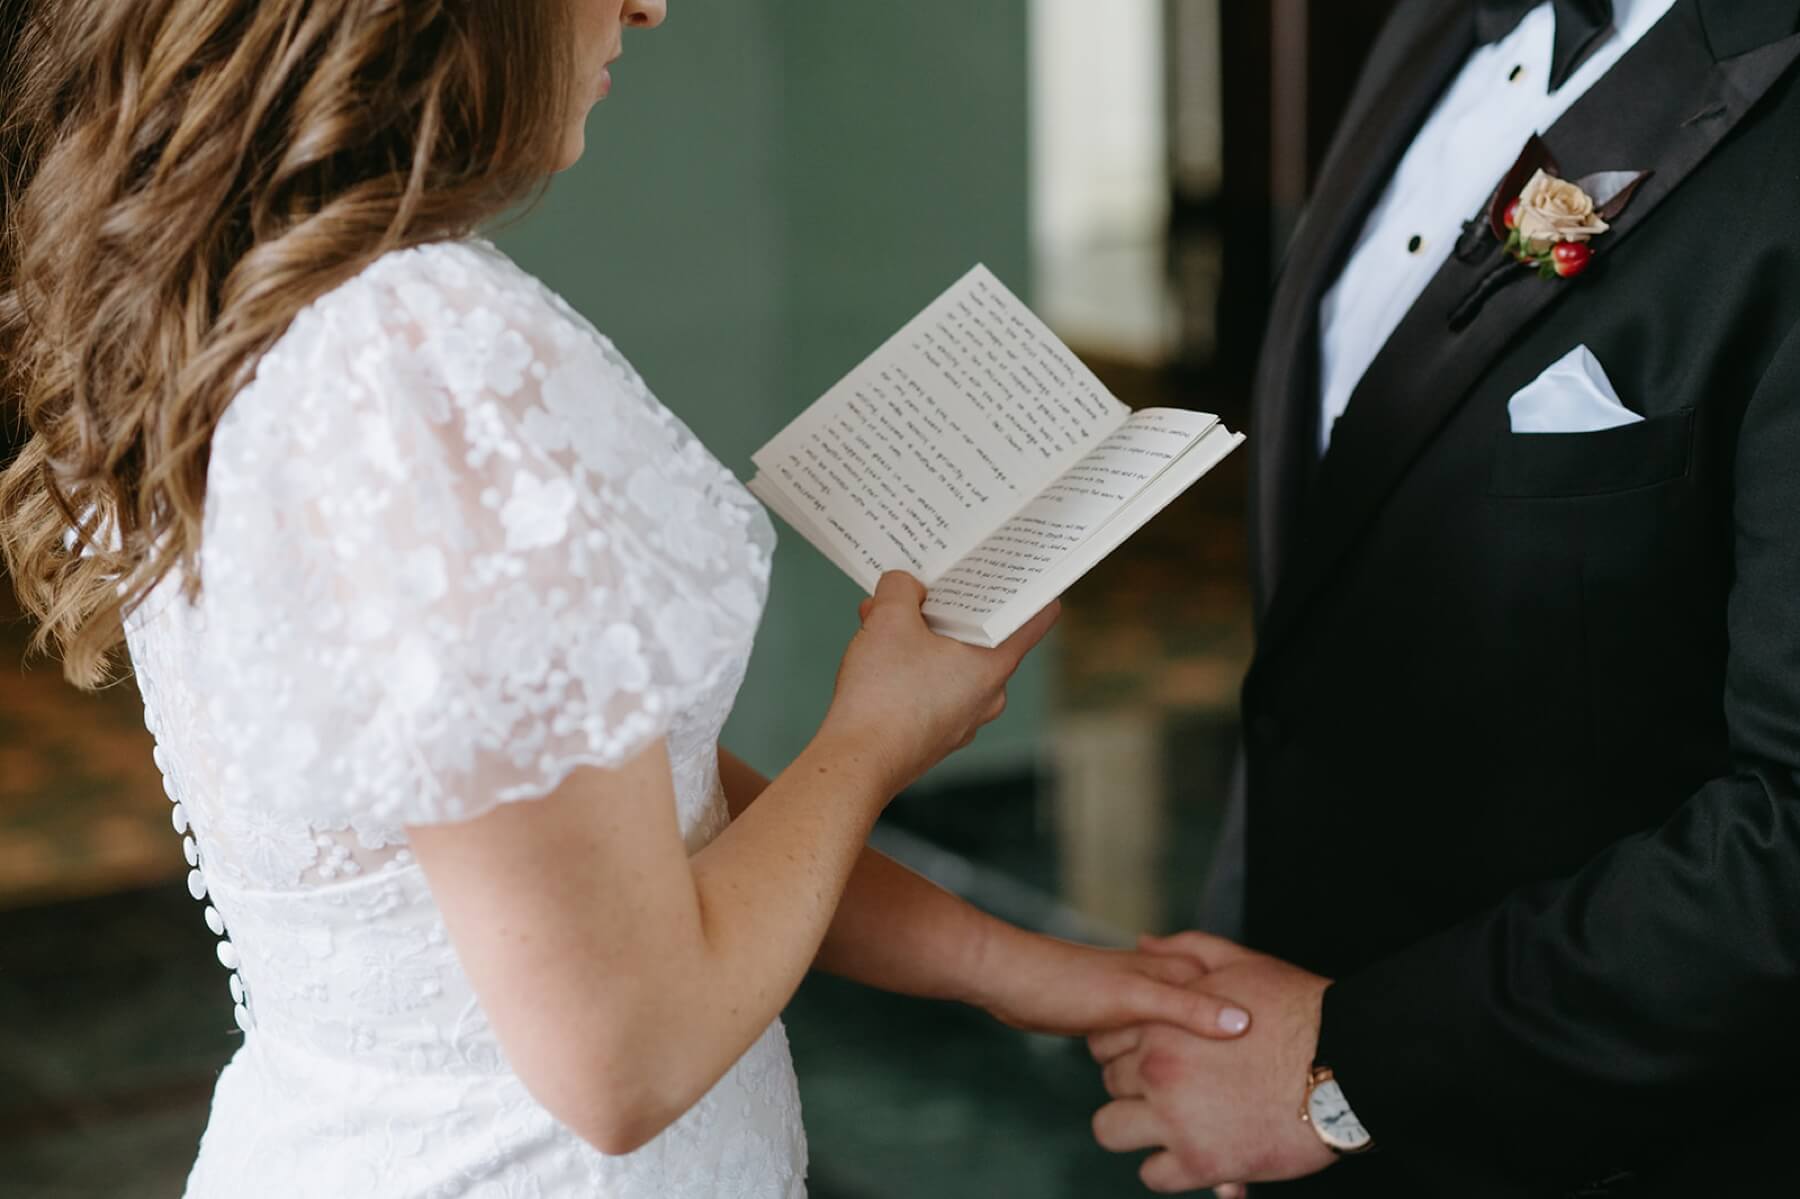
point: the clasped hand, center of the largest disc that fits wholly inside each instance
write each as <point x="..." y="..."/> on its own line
<point x="1217" y="1113"/>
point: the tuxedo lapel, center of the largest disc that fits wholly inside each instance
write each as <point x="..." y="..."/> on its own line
<point x="1663" y="108"/>
<point x="1381" y="123"/>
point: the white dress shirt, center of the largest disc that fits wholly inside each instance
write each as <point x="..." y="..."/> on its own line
<point x="1448" y="175"/>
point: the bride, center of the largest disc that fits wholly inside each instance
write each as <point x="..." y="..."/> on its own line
<point x="437" y="615"/>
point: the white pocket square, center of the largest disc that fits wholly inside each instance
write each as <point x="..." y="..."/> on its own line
<point x="1572" y="396"/>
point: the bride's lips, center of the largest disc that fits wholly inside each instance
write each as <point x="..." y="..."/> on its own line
<point x="605" y="82"/>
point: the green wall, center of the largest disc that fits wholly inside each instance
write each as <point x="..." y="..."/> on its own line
<point x="772" y="189"/>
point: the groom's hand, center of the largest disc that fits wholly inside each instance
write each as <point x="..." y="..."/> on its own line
<point x="1218" y="1112"/>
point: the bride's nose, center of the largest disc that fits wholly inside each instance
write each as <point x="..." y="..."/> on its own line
<point x="646" y="14"/>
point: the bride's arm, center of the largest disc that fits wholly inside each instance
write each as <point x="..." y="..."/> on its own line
<point x="929" y="943"/>
<point x="898" y="931"/>
<point x="624" y="978"/>
<point x="621" y="977"/>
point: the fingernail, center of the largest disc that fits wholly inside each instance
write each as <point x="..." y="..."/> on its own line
<point x="1234" y="1020"/>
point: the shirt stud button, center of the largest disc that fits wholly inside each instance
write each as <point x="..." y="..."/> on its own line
<point x="1516" y="74"/>
<point x="1414" y="244"/>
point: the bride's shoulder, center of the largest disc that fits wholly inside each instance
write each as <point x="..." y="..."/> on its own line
<point x="447" y="320"/>
<point x="443" y="287"/>
<point x="472" y="269"/>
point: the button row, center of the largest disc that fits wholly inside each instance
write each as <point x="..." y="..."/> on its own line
<point x="196" y="885"/>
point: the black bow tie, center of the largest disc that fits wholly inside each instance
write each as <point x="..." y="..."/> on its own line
<point x="1580" y="24"/>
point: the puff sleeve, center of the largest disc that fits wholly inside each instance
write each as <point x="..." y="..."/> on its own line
<point x="453" y="548"/>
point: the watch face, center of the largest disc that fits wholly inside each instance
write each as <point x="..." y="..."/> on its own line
<point x="1331" y="1116"/>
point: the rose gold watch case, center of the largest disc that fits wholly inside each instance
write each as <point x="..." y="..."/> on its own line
<point x="1314" y="1078"/>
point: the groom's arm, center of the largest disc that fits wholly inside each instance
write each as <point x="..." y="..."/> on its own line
<point x="1580" y="1026"/>
<point x="1656" y="989"/>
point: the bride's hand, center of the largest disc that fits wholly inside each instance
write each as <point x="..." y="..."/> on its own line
<point x="1040" y="984"/>
<point x="912" y="697"/>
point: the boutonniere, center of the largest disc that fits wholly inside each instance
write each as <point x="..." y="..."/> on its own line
<point x="1546" y="222"/>
<point x="1549" y="224"/>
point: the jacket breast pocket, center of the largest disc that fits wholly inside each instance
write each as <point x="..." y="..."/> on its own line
<point x="1549" y="465"/>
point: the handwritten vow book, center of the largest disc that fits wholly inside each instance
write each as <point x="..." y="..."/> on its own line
<point x="977" y="453"/>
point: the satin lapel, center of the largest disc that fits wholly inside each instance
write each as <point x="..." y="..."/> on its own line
<point x="1377" y="131"/>
<point x="1664" y="108"/>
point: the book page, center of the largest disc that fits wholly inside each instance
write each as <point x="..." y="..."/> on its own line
<point x="972" y="408"/>
<point x="1013" y="564"/>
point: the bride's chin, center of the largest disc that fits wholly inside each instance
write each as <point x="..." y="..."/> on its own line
<point x="574" y="146"/>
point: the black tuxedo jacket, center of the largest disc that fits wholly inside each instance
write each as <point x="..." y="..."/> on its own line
<point x="1523" y="728"/>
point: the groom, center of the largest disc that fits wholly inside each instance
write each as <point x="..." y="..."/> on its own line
<point x="1523" y="729"/>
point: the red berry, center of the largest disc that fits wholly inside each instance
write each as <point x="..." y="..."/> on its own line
<point x="1512" y="214"/>
<point x="1570" y="258"/>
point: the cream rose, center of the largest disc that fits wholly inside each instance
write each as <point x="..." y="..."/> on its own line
<point x="1554" y="210"/>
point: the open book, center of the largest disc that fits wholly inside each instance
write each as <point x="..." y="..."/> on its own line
<point x="977" y="453"/>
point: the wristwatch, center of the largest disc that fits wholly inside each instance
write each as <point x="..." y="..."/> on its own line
<point x="1330" y="1116"/>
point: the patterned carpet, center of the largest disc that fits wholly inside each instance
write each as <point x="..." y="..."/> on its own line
<point x="82" y="811"/>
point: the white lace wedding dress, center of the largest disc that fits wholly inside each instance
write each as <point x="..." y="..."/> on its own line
<point x="453" y="549"/>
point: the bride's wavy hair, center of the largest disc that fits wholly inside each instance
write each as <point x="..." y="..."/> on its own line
<point x="178" y="179"/>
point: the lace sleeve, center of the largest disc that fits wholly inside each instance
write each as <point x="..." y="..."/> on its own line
<point x="453" y="548"/>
